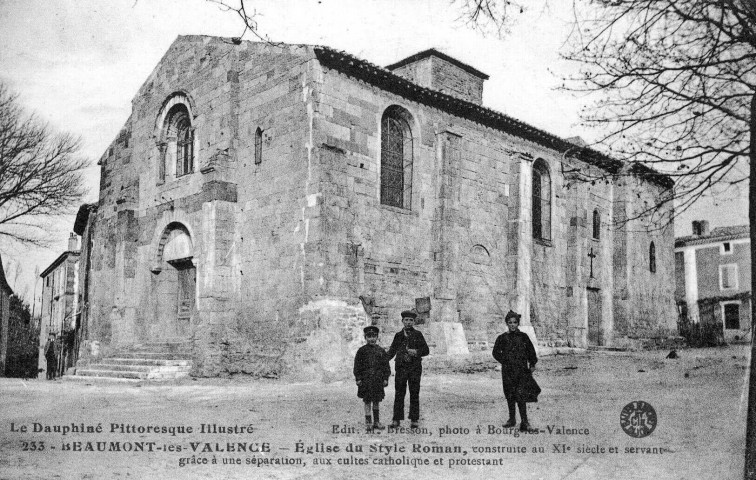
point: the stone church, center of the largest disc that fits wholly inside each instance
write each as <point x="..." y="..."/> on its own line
<point x="264" y="202"/>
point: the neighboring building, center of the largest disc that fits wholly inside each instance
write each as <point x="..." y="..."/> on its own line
<point x="713" y="272"/>
<point x="60" y="284"/>
<point x="258" y="191"/>
<point x="83" y="227"/>
<point x="5" y="294"/>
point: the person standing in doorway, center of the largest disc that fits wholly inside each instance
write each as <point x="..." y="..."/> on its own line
<point x="408" y="347"/>
<point x="52" y="364"/>
<point x="518" y="359"/>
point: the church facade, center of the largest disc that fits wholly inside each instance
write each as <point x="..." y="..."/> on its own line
<point x="264" y="202"/>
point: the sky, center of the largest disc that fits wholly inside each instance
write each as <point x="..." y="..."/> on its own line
<point x="78" y="64"/>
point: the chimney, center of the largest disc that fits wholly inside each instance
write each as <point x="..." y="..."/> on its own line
<point x="700" y="227"/>
<point x="438" y="71"/>
<point x="73" y="242"/>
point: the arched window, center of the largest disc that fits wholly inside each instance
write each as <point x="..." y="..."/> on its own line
<point x="184" y="145"/>
<point x="596" y="225"/>
<point x="396" y="158"/>
<point x="176" y="137"/>
<point x="652" y="257"/>
<point x="258" y="146"/>
<point x="541" y="201"/>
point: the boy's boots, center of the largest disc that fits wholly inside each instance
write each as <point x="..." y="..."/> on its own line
<point x="376" y="420"/>
<point x="368" y="423"/>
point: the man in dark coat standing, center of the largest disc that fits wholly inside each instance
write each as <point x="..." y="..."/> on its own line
<point x="409" y="347"/>
<point x="52" y="364"/>
<point x="517" y="356"/>
<point x="371" y="372"/>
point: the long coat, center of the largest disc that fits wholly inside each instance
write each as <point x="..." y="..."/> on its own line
<point x="371" y="369"/>
<point x="516" y="353"/>
<point x="402" y="341"/>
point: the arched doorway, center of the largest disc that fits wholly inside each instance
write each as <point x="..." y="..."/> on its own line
<point x="175" y="286"/>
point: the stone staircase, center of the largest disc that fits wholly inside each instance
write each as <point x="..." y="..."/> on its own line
<point x="149" y="361"/>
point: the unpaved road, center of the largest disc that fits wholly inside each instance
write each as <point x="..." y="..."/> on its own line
<point x="700" y="431"/>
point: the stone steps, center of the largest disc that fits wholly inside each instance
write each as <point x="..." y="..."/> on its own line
<point x="151" y="356"/>
<point x="150" y="361"/>
<point x="83" y="378"/>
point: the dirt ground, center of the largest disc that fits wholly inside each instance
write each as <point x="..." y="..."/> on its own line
<point x="700" y="431"/>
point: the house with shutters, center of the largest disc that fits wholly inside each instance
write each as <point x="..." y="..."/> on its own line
<point x="713" y="278"/>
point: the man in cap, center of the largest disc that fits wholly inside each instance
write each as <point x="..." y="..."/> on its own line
<point x="408" y="347"/>
<point x="371" y="372"/>
<point x="515" y="352"/>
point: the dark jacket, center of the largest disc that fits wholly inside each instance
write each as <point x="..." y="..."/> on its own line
<point x="50" y="349"/>
<point x="515" y="351"/>
<point x="371" y="369"/>
<point x="516" y="354"/>
<point x="412" y="339"/>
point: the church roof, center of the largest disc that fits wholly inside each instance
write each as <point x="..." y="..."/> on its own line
<point x="432" y="52"/>
<point x="383" y="78"/>
<point x="719" y="234"/>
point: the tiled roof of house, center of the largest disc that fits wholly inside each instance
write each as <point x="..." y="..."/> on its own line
<point x="58" y="261"/>
<point x="719" y="234"/>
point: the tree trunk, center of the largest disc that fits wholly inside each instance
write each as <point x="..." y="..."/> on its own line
<point x="750" y="450"/>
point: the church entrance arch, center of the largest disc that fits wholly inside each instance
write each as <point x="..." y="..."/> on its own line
<point x="175" y="285"/>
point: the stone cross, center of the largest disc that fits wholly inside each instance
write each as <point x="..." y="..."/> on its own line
<point x="592" y="256"/>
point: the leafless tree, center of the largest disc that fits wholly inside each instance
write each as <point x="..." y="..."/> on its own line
<point x="40" y="173"/>
<point x="248" y="17"/>
<point x="489" y="16"/>
<point x="678" y="92"/>
<point x="676" y="81"/>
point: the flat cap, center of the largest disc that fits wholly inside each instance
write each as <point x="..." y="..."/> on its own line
<point x="371" y="330"/>
<point x="409" y="314"/>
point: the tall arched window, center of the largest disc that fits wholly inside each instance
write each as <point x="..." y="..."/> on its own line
<point x="175" y="133"/>
<point x="177" y="140"/>
<point x="596" y="225"/>
<point x="396" y="158"/>
<point x="652" y="257"/>
<point x="184" y="145"/>
<point x="258" y="146"/>
<point x="541" y="201"/>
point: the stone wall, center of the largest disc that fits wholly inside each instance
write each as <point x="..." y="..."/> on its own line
<point x="441" y="75"/>
<point x="644" y="300"/>
<point x="458" y="243"/>
<point x="253" y="227"/>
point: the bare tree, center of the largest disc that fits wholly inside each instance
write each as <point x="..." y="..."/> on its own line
<point x="676" y="81"/>
<point x="247" y="15"/>
<point x="40" y="173"/>
<point x="489" y="15"/>
<point x="678" y="92"/>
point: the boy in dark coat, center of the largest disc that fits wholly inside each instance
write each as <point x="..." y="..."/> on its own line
<point x="409" y="347"/>
<point x="517" y="356"/>
<point x="371" y="372"/>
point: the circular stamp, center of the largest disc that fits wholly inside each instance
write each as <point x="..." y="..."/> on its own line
<point x="638" y="419"/>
